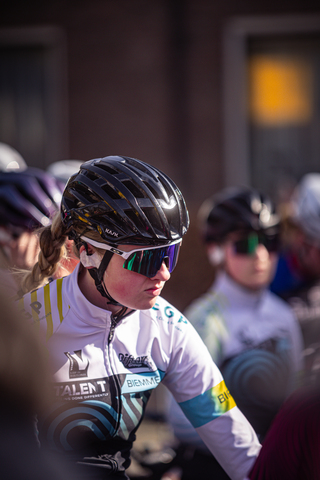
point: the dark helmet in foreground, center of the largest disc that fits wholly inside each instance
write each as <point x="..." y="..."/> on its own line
<point x="126" y="201"/>
<point x="28" y="199"/>
<point x="234" y="209"/>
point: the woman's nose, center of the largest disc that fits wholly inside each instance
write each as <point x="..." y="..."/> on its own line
<point x="163" y="273"/>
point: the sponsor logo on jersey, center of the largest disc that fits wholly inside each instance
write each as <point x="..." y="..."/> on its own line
<point x="141" y="382"/>
<point x="129" y="361"/>
<point x="85" y="390"/>
<point x="78" y="365"/>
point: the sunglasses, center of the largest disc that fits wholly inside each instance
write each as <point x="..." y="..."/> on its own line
<point x="146" y="261"/>
<point x="248" y="244"/>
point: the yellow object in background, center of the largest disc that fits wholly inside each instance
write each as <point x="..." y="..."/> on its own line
<point x="280" y="90"/>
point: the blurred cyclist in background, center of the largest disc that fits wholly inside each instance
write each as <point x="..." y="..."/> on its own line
<point x="10" y="159"/>
<point x="64" y="169"/>
<point x="29" y="198"/>
<point x="297" y="278"/>
<point x="251" y="334"/>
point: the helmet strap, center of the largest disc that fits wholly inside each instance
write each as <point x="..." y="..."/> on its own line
<point x="97" y="275"/>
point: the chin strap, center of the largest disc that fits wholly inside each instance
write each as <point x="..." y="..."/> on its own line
<point x="97" y="273"/>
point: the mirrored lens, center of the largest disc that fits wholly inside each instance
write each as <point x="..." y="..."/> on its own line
<point x="247" y="245"/>
<point x="148" y="262"/>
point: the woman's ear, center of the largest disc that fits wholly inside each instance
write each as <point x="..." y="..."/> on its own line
<point x="215" y="254"/>
<point x="89" y="257"/>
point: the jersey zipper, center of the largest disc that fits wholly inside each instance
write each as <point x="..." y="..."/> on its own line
<point x="114" y="323"/>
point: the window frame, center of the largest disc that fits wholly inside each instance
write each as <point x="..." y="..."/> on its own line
<point x="237" y="32"/>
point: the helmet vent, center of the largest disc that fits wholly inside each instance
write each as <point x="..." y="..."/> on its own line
<point x="152" y="190"/>
<point x="107" y="168"/>
<point x="110" y="191"/>
<point x="126" y="196"/>
<point x="169" y="190"/>
<point x="133" y="189"/>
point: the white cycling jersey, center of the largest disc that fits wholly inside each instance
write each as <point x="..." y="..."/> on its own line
<point x="232" y="319"/>
<point x="104" y="373"/>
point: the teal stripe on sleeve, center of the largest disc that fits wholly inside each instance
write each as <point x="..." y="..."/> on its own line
<point x="209" y="405"/>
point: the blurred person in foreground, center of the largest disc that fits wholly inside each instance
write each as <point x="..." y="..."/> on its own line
<point x="291" y="448"/>
<point x="250" y="333"/>
<point x="24" y="390"/>
<point x="297" y="278"/>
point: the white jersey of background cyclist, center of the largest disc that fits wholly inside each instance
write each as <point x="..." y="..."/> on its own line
<point x="250" y="335"/>
<point x="91" y="357"/>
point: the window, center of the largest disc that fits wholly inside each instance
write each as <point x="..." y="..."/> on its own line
<point x="33" y="102"/>
<point x="272" y="98"/>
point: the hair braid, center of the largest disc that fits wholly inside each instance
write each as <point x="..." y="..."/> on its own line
<point x="52" y="250"/>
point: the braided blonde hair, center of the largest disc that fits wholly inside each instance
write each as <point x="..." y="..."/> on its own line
<point x="52" y="249"/>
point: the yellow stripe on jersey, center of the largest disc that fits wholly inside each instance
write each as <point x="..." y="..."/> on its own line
<point x="209" y="405"/>
<point x="224" y="400"/>
<point x="47" y="306"/>
<point x="35" y="315"/>
<point x="59" y="298"/>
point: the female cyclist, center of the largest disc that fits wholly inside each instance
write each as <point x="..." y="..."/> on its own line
<point x="111" y="338"/>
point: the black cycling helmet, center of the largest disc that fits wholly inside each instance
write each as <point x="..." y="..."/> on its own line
<point x="126" y="201"/>
<point x="28" y="199"/>
<point x="234" y="209"/>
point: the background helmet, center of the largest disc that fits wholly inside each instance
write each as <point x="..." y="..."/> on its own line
<point x="10" y="159"/>
<point x="28" y="199"/>
<point x="236" y="208"/>
<point x="305" y="204"/>
<point x="126" y="201"/>
<point x="64" y="169"/>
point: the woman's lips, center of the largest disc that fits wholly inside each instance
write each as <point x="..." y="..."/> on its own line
<point x="155" y="290"/>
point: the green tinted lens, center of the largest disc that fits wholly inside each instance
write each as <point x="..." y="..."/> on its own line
<point x="247" y="245"/>
<point x="148" y="262"/>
